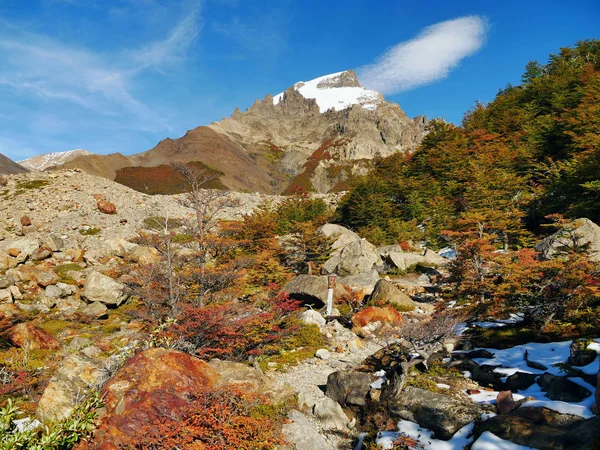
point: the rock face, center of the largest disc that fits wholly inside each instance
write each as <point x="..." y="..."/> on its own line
<point x="28" y="336"/>
<point x="103" y="289"/>
<point x="385" y="293"/>
<point x="302" y="435"/>
<point x="76" y="374"/>
<point x="442" y="414"/>
<point x="311" y="289"/>
<point x="586" y="233"/>
<point x="348" y="387"/>
<point x="156" y="381"/>
<point x="396" y="258"/>
<point x="354" y="258"/>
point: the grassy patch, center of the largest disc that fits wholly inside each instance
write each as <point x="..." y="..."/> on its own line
<point x="31" y="184"/>
<point x="93" y="231"/>
<point x="297" y="347"/>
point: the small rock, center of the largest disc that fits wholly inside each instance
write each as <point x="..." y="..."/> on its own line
<point x="25" y="221"/>
<point x="312" y="317"/>
<point x="323" y="354"/>
<point x="6" y="296"/>
<point x="106" y="207"/>
<point x="505" y="402"/>
<point x="54" y="291"/>
<point x="95" y="310"/>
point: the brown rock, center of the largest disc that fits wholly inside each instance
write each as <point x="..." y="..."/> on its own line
<point x="371" y="314"/>
<point x="14" y="252"/>
<point x="40" y="254"/>
<point x="26" y="335"/>
<point x="505" y="402"/>
<point x="153" y="383"/>
<point x="26" y="221"/>
<point x="106" y="207"/>
<point x="99" y="197"/>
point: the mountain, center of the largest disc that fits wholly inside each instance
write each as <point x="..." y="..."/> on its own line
<point x="9" y="167"/>
<point x="45" y="161"/>
<point x="313" y="136"/>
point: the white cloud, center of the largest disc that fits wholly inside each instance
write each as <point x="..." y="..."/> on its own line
<point x="50" y="70"/>
<point x="427" y="58"/>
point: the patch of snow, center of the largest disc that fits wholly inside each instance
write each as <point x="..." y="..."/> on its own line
<point x="489" y="441"/>
<point x="448" y="253"/>
<point x="514" y="318"/>
<point x="42" y="162"/>
<point x="575" y="409"/>
<point x="442" y="385"/>
<point x="489" y="397"/>
<point x="460" y="329"/>
<point x="486" y="416"/>
<point x="26" y="424"/>
<point x="461" y="438"/>
<point x="338" y="98"/>
<point x="467" y="374"/>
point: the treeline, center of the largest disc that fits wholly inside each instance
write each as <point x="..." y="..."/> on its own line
<point x="533" y="151"/>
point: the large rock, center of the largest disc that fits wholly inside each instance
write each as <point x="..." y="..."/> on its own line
<point x="331" y="415"/>
<point x="103" y="289"/>
<point x="236" y="373"/>
<point x="406" y="261"/>
<point x="75" y="376"/>
<point x="28" y="336"/>
<point x="354" y="258"/>
<point x="348" y="387"/>
<point x="302" y="435"/>
<point x="563" y="389"/>
<point x="361" y="282"/>
<point x="385" y="293"/>
<point x="312" y="317"/>
<point x="586" y="233"/>
<point x="372" y="314"/>
<point x="20" y="249"/>
<point x="442" y="414"/>
<point x="342" y="236"/>
<point x="309" y="288"/>
<point x="153" y="383"/>
<point x="144" y="255"/>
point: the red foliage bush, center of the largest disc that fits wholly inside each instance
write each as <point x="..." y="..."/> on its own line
<point x="226" y="418"/>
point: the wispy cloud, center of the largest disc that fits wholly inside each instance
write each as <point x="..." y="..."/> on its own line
<point x="427" y="58"/>
<point x="50" y="70"/>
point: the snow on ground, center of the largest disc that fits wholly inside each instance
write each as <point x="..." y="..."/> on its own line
<point x="489" y="441"/>
<point x="514" y="318"/>
<point x="425" y="437"/>
<point x="338" y="98"/>
<point x="548" y="354"/>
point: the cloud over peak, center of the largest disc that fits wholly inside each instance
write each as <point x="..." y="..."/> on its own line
<point x="426" y="58"/>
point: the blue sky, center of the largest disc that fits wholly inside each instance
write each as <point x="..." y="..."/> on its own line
<point x="120" y="75"/>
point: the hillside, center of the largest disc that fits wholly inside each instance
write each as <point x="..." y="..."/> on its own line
<point x="48" y="160"/>
<point x="314" y="136"/>
<point x="8" y="166"/>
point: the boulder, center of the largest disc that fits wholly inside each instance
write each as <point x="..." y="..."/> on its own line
<point x="103" y="289"/>
<point x="563" y="389"/>
<point x="40" y="254"/>
<point x="342" y="236"/>
<point x="6" y="296"/>
<point x="21" y="248"/>
<point x="53" y="243"/>
<point x="312" y="317"/>
<point x="531" y="427"/>
<point x="505" y="402"/>
<point x="361" y="282"/>
<point x="520" y="381"/>
<point x="442" y="414"/>
<point x="27" y="335"/>
<point x="372" y="314"/>
<point x="385" y="293"/>
<point x="348" y="387"/>
<point x="154" y="382"/>
<point x="354" y="258"/>
<point x="587" y="232"/>
<point x="331" y="415"/>
<point x="45" y="278"/>
<point x="95" y="310"/>
<point x="75" y="375"/>
<point x="106" y="207"/>
<point x="323" y="354"/>
<point x="302" y="435"/>
<point x="312" y="289"/>
<point x="144" y="255"/>
<point x="405" y="260"/>
<point x="236" y="373"/>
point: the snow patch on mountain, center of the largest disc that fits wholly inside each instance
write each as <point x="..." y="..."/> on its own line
<point x="47" y="160"/>
<point x="330" y="92"/>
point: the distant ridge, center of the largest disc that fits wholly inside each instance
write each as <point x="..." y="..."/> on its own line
<point x="9" y="167"/>
<point x="48" y="160"/>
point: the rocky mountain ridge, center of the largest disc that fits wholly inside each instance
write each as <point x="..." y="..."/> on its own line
<point x="8" y="166"/>
<point x="48" y="160"/>
<point x="314" y="136"/>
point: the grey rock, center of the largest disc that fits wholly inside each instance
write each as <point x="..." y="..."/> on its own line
<point x="103" y="289"/>
<point x="95" y="310"/>
<point x="6" y="296"/>
<point x="348" y="387"/>
<point x="309" y="288"/>
<point x="311" y="317"/>
<point x="563" y="389"/>
<point x="386" y="293"/>
<point x="54" y="291"/>
<point x="364" y="281"/>
<point x="330" y="414"/>
<point x="354" y="258"/>
<point x="302" y="435"/>
<point x="586" y="233"/>
<point x="519" y="381"/>
<point x="5" y="282"/>
<point x="323" y="354"/>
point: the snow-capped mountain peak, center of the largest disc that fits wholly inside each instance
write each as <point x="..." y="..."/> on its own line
<point x="45" y="161"/>
<point x="338" y="91"/>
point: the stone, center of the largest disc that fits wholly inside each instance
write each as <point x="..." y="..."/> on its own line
<point x="563" y="389"/>
<point x="69" y="305"/>
<point x="356" y="257"/>
<point x="580" y="355"/>
<point x="323" y="354"/>
<point x="25" y="221"/>
<point x="74" y="377"/>
<point x="28" y="336"/>
<point x="385" y="293"/>
<point x="302" y="435"/>
<point x="40" y="254"/>
<point x="20" y="248"/>
<point x="342" y="236"/>
<point x="6" y="296"/>
<point x="144" y="255"/>
<point x="45" y="278"/>
<point x="363" y="282"/>
<point x="103" y="289"/>
<point x="442" y="414"/>
<point x="106" y="207"/>
<point x="53" y="243"/>
<point x="16" y="293"/>
<point x="5" y="282"/>
<point x="254" y="381"/>
<point x="587" y="232"/>
<point x="157" y="379"/>
<point x="311" y="289"/>
<point x="405" y="260"/>
<point x="331" y="415"/>
<point x="28" y="229"/>
<point x="520" y="381"/>
<point x="372" y="314"/>
<point x="348" y="387"/>
<point x="54" y="291"/>
<point x="505" y="402"/>
<point x="312" y="317"/>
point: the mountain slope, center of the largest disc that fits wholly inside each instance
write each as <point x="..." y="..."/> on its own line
<point x="313" y="136"/>
<point x="47" y="160"/>
<point x="9" y="167"/>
